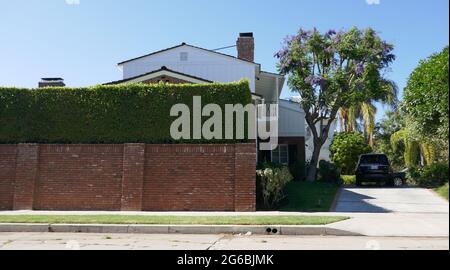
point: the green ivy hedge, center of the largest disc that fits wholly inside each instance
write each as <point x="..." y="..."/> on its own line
<point x="125" y="113"/>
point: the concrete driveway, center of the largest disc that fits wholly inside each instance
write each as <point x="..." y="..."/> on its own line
<point x="407" y="212"/>
<point x="390" y="200"/>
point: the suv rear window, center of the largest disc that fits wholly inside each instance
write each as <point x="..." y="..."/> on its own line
<point x="374" y="159"/>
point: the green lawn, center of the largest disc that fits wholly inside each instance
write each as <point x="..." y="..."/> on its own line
<point x="171" y="220"/>
<point x="443" y="191"/>
<point x="310" y="197"/>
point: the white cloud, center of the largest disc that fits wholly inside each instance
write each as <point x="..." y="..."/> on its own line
<point x="72" y="2"/>
<point x="373" y="2"/>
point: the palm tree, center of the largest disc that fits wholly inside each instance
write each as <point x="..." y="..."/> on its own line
<point x="417" y="152"/>
<point x="364" y="112"/>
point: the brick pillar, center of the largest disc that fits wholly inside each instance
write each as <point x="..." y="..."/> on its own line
<point x="133" y="177"/>
<point x="27" y="163"/>
<point x="245" y="178"/>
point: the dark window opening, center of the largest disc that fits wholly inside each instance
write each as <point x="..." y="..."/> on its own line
<point x="374" y="159"/>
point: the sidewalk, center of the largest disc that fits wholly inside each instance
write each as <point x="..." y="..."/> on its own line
<point x="131" y="213"/>
<point x="367" y="224"/>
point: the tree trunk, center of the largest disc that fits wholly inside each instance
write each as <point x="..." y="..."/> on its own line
<point x="312" y="169"/>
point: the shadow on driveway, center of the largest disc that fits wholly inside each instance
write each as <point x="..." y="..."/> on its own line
<point x="351" y="201"/>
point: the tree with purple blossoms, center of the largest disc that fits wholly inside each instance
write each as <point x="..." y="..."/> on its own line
<point x="331" y="71"/>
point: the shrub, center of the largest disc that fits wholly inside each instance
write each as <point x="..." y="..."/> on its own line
<point x="272" y="180"/>
<point x="433" y="175"/>
<point x="426" y="97"/>
<point x="413" y="175"/>
<point x="346" y="149"/>
<point x="126" y="113"/>
<point x="328" y="172"/>
<point x="348" y="180"/>
<point x="298" y="170"/>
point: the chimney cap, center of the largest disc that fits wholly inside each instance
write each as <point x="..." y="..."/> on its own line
<point x="52" y="79"/>
<point x="247" y="34"/>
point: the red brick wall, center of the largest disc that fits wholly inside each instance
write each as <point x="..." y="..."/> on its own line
<point x="27" y="163"/>
<point x="79" y="177"/>
<point x="133" y="176"/>
<point x="128" y="177"/>
<point x="7" y="175"/>
<point x="189" y="177"/>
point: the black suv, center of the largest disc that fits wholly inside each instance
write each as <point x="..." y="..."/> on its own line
<point x="376" y="168"/>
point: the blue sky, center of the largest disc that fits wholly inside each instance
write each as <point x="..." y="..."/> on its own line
<point x="82" y="40"/>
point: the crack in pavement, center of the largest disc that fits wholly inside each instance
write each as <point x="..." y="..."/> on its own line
<point x="7" y="242"/>
<point x="217" y="241"/>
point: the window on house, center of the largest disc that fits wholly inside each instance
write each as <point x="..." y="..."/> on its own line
<point x="281" y="155"/>
<point x="183" y="56"/>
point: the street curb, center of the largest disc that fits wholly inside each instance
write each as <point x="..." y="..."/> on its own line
<point x="24" y="227"/>
<point x="336" y="199"/>
<point x="177" y="229"/>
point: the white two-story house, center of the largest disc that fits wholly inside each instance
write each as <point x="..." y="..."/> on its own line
<point x="186" y="63"/>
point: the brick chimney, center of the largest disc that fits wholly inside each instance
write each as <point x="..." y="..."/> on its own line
<point x="246" y="47"/>
<point x="51" y="82"/>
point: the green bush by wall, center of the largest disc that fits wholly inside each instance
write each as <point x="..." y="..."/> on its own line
<point x="434" y="175"/>
<point x="126" y="113"/>
<point x="346" y="149"/>
<point x="328" y="172"/>
<point x="348" y="179"/>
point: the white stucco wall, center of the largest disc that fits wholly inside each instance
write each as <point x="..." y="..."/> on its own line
<point x="325" y="151"/>
<point x="200" y="63"/>
<point x="291" y="119"/>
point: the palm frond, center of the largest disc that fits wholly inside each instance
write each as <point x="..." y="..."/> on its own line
<point x="368" y="112"/>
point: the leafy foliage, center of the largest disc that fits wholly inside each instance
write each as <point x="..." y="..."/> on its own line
<point x="348" y="180"/>
<point x="331" y="71"/>
<point x="426" y="96"/>
<point x="346" y="149"/>
<point x="298" y="170"/>
<point x="411" y="147"/>
<point x="434" y="175"/>
<point x="426" y="108"/>
<point x="424" y="137"/>
<point x="126" y="113"/>
<point x="361" y="116"/>
<point x="392" y="123"/>
<point x="329" y="172"/>
<point x="273" y="179"/>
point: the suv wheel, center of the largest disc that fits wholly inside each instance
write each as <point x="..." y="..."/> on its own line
<point x="397" y="182"/>
<point x="358" y="182"/>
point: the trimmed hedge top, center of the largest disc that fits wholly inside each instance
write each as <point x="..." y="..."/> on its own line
<point x="125" y="113"/>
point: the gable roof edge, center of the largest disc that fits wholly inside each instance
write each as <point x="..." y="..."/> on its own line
<point x="163" y="68"/>
<point x="188" y="45"/>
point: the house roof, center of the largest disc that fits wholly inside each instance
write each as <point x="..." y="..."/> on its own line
<point x="162" y="69"/>
<point x="185" y="44"/>
<point x="165" y="69"/>
<point x="272" y="73"/>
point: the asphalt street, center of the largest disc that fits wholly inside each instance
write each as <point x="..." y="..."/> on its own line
<point x="76" y="241"/>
